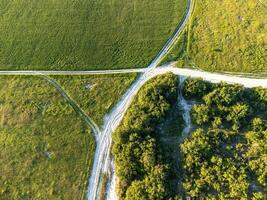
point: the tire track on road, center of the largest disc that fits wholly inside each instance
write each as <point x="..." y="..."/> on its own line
<point x="74" y="105"/>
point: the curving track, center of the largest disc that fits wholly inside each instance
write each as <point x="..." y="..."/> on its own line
<point x="102" y="161"/>
<point x="74" y="105"/>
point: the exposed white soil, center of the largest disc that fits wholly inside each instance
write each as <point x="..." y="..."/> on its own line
<point x="186" y="108"/>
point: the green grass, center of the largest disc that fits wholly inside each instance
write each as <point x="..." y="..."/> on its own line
<point x="230" y="35"/>
<point x="224" y="36"/>
<point x="96" y="94"/>
<point x="84" y="34"/>
<point x="178" y="50"/>
<point x="46" y="149"/>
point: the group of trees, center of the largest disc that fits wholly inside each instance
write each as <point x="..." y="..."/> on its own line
<point x="226" y="156"/>
<point x="141" y="167"/>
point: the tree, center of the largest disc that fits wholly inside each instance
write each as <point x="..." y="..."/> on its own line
<point x="217" y="122"/>
<point x="257" y="154"/>
<point x="136" y="191"/>
<point x="258" y="124"/>
<point x="209" y="169"/>
<point x="138" y="156"/>
<point x="200" y="114"/>
<point x="196" y="88"/>
<point x="156" y="183"/>
<point x="224" y="95"/>
<point x="237" y="112"/>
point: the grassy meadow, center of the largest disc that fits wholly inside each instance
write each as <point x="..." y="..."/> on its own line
<point x="225" y="36"/>
<point x="229" y="36"/>
<point x="96" y="94"/>
<point x="84" y="34"/>
<point x="46" y="149"/>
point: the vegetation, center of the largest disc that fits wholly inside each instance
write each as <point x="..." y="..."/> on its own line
<point x="46" y="149"/>
<point x="84" y="34"/>
<point x="142" y="167"/>
<point x="237" y="43"/>
<point x="96" y="94"/>
<point x="233" y="41"/>
<point x="103" y="187"/>
<point x="225" y="158"/>
<point x="177" y="53"/>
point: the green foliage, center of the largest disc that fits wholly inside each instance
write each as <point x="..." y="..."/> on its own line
<point x="259" y="196"/>
<point x="85" y="34"/>
<point x="210" y="167"/>
<point x="222" y="104"/>
<point x="229" y="35"/>
<point x="257" y="154"/>
<point x="177" y="52"/>
<point x="195" y="88"/>
<point x="136" y="191"/>
<point x="223" y="95"/>
<point x="46" y="149"/>
<point x="152" y="187"/>
<point x="225" y="158"/>
<point x="96" y="94"/>
<point x="236" y="114"/>
<point x="142" y="171"/>
<point x="200" y="114"/>
<point x="258" y="124"/>
<point x="258" y="100"/>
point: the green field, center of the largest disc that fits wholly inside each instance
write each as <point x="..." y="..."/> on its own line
<point x="96" y="94"/>
<point x="46" y="149"/>
<point x="229" y="35"/>
<point x="225" y="36"/>
<point x="84" y="34"/>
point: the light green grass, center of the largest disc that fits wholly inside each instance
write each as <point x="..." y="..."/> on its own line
<point x="46" y="149"/>
<point x="96" y="94"/>
<point x="224" y="36"/>
<point x="229" y="36"/>
<point x="178" y="52"/>
<point x="84" y="34"/>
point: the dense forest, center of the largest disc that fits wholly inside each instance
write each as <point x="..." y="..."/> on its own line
<point x="226" y="156"/>
<point x="142" y="168"/>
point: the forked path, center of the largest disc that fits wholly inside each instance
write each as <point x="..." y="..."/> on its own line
<point x="102" y="162"/>
<point x="90" y="122"/>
